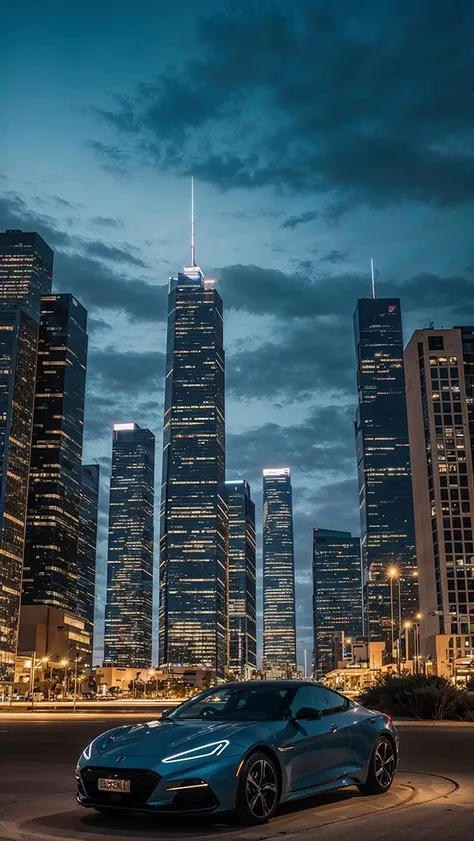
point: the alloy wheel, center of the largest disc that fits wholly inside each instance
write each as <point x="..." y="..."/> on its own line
<point x="261" y="788"/>
<point x="384" y="763"/>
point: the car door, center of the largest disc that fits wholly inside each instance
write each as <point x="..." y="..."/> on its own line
<point x="320" y="745"/>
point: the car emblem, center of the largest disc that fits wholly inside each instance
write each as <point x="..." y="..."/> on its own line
<point x="120" y="759"/>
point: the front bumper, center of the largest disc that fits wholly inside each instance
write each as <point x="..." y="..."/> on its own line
<point x="197" y="788"/>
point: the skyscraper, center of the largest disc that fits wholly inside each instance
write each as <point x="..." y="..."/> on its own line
<point x="26" y="271"/>
<point x="128" y="610"/>
<point x="50" y="575"/>
<point x="337" y="593"/>
<point x="26" y="268"/>
<point x="242" y="579"/>
<point x="440" y="394"/>
<point x="193" y="550"/>
<point x="279" y="626"/>
<point x="385" y="493"/>
<point x="87" y="542"/>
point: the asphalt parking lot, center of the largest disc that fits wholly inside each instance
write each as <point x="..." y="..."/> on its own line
<point x="432" y="799"/>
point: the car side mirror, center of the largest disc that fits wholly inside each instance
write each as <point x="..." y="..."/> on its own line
<point x="308" y="714"/>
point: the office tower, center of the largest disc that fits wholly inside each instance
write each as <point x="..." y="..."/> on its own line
<point x="439" y="368"/>
<point x="50" y="574"/>
<point x="87" y="542"/>
<point x="193" y="550"/>
<point x="128" y="610"/>
<point x="337" y="593"/>
<point x="385" y="493"/>
<point x="279" y="628"/>
<point x="242" y="581"/>
<point x="26" y="271"/>
<point x="26" y="268"/>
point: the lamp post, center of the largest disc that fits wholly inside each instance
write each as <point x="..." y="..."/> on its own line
<point x="407" y="627"/>
<point x="64" y="664"/>
<point x="392" y="573"/>
<point x="76" y="662"/>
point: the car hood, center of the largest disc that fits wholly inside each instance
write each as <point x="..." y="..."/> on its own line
<point x="159" y="739"/>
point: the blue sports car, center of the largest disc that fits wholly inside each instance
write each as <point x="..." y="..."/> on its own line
<point x="241" y="749"/>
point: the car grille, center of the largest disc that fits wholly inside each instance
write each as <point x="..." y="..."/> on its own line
<point x="142" y="785"/>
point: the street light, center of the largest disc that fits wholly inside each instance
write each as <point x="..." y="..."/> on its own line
<point x="64" y="663"/>
<point x="76" y="661"/>
<point x="392" y="573"/>
<point x="407" y="627"/>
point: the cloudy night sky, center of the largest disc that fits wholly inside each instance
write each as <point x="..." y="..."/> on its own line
<point x="318" y="138"/>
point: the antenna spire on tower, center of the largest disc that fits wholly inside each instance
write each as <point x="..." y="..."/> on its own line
<point x="373" y="276"/>
<point x="193" y="248"/>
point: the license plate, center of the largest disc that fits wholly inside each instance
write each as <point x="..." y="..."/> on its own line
<point x="113" y="785"/>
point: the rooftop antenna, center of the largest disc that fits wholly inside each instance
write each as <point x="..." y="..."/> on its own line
<point x="373" y="276"/>
<point x="193" y="248"/>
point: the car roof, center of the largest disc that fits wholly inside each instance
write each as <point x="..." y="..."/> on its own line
<point x="275" y="683"/>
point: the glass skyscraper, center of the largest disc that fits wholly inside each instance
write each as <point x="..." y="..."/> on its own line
<point x="26" y="268"/>
<point x="337" y="593"/>
<point x="128" y="609"/>
<point x="50" y="574"/>
<point x="193" y="550"/>
<point x="279" y="626"/>
<point x="87" y="542"/>
<point x="383" y="459"/>
<point x="242" y="583"/>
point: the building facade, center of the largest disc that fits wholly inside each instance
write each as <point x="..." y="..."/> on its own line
<point x="50" y="574"/>
<point x="26" y="268"/>
<point x="128" y="609"/>
<point x="87" y="542"/>
<point x="383" y="460"/>
<point x="242" y="580"/>
<point x="440" y="393"/>
<point x="279" y="624"/>
<point x="337" y="594"/>
<point x="193" y="547"/>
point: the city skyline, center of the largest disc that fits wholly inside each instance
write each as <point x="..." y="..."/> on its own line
<point x="287" y="228"/>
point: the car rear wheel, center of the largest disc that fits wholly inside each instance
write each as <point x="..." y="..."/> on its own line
<point x="259" y="790"/>
<point x="383" y="764"/>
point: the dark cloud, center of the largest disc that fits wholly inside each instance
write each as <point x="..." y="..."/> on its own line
<point x="315" y="445"/>
<point x="294" y="221"/>
<point x="106" y="222"/>
<point x="93" y="283"/>
<point x="334" y="505"/>
<point x="305" y="356"/>
<point x="112" y="253"/>
<point x="126" y="373"/>
<point x="335" y="256"/>
<point x="97" y="325"/>
<point x="367" y="102"/>
<point x="113" y="158"/>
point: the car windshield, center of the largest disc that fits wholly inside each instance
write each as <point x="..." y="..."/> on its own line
<point x="235" y="703"/>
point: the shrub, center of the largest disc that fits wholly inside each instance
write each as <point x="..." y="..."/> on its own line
<point x="419" y="697"/>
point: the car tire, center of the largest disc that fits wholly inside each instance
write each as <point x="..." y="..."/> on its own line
<point x="382" y="767"/>
<point x="258" y="793"/>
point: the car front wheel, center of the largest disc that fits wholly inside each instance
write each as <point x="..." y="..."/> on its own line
<point x="259" y="790"/>
<point x="383" y="764"/>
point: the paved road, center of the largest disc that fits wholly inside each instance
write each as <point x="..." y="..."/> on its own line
<point x="433" y="799"/>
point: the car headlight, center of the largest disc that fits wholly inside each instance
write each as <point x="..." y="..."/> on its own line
<point x="202" y="752"/>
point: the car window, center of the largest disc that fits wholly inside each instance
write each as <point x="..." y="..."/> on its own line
<point x="259" y="702"/>
<point x="311" y="697"/>
<point x="335" y="702"/>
